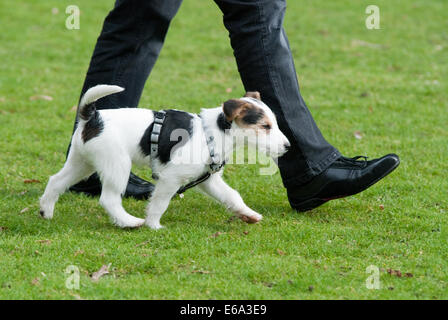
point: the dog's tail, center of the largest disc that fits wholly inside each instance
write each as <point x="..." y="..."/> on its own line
<point x="87" y="105"/>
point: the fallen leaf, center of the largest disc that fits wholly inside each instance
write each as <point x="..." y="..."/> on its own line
<point x="77" y="253"/>
<point x="103" y="271"/>
<point x="35" y="281"/>
<point x="364" y="94"/>
<point x="44" y="241"/>
<point x="201" y="271"/>
<point x="228" y="90"/>
<point x="31" y="181"/>
<point x="246" y="232"/>
<point x="268" y="284"/>
<point x="358" y="135"/>
<point x="394" y="272"/>
<point x="74" y="108"/>
<point x="381" y="206"/>
<point x="142" y="243"/>
<point x="280" y="252"/>
<point x="3" y="228"/>
<point x="408" y="275"/>
<point x="41" y="97"/>
<point x="217" y="234"/>
<point x="24" y="210"/>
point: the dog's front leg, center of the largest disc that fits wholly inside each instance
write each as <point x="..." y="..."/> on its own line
<point x="159" y="202"/>
<point x="216" y="187"/>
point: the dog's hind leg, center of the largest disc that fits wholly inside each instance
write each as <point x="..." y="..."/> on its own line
<point x="114" y="181"/>
<point x="216" y="187"/>
<point x="75" y="169"/>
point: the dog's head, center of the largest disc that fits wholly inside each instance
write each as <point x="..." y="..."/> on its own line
<point x="258" y="122"/>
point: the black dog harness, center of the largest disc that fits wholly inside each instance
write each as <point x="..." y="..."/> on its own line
<point x="215" y="160"/>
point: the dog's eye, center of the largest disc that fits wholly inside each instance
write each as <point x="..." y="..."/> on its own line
<point x="267" y="126"/>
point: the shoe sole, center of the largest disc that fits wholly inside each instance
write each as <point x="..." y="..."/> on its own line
<point x="316" y="202"/>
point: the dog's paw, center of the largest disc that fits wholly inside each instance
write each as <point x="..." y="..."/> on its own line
<point x="43" y="215"/>
<point x="131" y="223"/>
<point x="46" y="212"/>
<point x="156" y="227"/>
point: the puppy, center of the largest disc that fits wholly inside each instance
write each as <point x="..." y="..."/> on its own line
<point x="110" y="141"/>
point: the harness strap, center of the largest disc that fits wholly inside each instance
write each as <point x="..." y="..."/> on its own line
<point x="159" y="118"/>
<point x="215" y="164"/>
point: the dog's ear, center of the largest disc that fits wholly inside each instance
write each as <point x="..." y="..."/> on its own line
<point x="232" y="108"/>
<point x="253" y="94"/>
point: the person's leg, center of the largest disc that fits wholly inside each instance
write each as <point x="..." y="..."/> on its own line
<point x="125" y="53"/>
<point x="265" y="64"/>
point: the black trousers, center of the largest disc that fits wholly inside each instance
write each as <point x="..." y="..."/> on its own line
<point x="132" y="37"/>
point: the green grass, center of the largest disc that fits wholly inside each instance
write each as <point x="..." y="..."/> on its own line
<point x="394" y="92"/>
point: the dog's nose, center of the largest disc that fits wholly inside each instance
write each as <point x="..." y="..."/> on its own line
<point x="287" y="146"/>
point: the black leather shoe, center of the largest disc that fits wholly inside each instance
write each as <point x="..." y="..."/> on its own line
<point x="137" y="187"/>
<point x="345" y="177"/>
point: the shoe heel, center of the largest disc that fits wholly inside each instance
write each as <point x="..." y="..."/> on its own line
<point x="309" y="204"/>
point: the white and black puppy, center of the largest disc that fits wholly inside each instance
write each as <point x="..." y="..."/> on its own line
<point x="110" y="141"/>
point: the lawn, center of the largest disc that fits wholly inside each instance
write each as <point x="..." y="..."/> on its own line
<point x="371" y="92"/>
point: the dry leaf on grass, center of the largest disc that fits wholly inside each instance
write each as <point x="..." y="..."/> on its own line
<point x="44" y="241"/>
<point x="41" y="97"/>
<point x="142" y="243"/>
<point x="35" y="281"/>
<point x="358" y="135"/>
<point x="103" y="271"/>
<point x="24" y="210"/>
<point x="364" y="94"/>
<point x="201" y="271"/>
<point x="399" y="274"/>
<point x="77" y="253"/>
<point x="280" y="252"/>
<point x="31" y="181"/>
<point x="217" y="234"/>
<point x="3" y="228"/>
